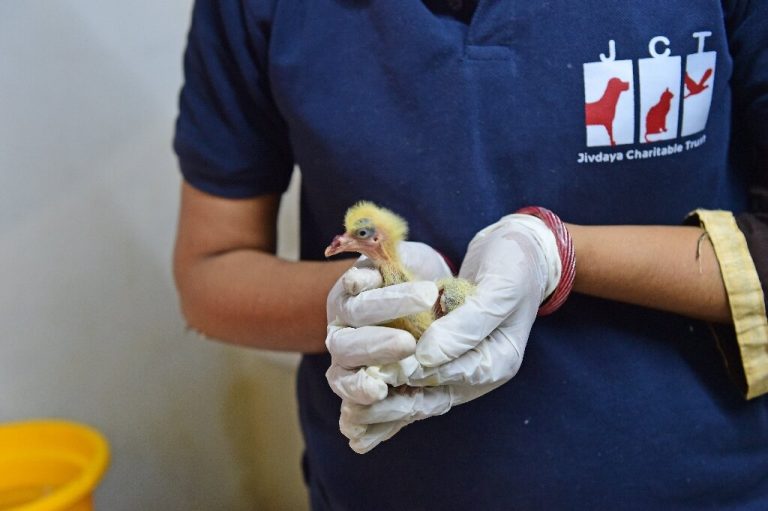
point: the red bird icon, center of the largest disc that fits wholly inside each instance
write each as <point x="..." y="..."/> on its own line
<point x="697" y="87"/>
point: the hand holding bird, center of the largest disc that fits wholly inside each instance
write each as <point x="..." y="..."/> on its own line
<point x="460" y="357"/>
<point x="358" y="307"/>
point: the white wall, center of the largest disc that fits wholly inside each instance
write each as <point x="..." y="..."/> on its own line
<point x="89" y="325"/>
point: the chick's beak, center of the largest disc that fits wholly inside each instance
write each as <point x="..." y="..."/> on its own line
<point x="341" y="243"/>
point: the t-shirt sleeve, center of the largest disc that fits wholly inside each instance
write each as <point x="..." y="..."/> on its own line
<point x="741" y="242"/>
<point x="748" y="41"/>
<point x="230" y="138"/>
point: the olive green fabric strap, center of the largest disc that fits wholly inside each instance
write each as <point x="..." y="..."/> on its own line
<point x="745" y="295"/>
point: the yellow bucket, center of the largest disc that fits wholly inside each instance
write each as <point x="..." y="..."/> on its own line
<point x="50" y="465"/>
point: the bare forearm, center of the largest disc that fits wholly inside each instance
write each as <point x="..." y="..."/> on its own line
<point x="253" y="298"/>
<point x="667" y="268"/>
<point x="231" y="285"/>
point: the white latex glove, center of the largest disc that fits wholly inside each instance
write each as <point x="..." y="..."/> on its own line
<point x="477" y="347"/>
<point x="357" y="303"/>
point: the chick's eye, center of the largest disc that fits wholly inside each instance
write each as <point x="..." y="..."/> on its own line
<point x="364" y="233"/>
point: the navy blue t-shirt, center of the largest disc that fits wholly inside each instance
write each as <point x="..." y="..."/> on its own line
<point x="604" y="112"/>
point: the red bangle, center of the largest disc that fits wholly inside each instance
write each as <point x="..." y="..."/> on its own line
<point x="567" y="258"/>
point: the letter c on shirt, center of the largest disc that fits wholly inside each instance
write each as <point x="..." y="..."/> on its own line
<point x="654" y="42"/>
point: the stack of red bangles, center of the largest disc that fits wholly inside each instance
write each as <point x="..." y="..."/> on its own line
<point x="567" y="257"/>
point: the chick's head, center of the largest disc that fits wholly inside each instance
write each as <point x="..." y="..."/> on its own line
<point x="372" y="231"/>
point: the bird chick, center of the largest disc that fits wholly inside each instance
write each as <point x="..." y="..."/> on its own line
<point x="376" y="232"/>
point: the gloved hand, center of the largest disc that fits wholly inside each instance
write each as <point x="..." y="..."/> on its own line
<point x="477" y="347"/>
<point x="357" y="303"/>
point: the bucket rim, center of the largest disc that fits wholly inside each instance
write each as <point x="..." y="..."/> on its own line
<point x="88" y="478"/>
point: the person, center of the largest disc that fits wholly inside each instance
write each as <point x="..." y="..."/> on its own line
<point x="642" y="126"/>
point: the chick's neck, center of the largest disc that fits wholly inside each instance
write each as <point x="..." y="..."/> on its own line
<point x="391" y="268"/>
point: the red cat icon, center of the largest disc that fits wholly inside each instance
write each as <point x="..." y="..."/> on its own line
<point x="656" y="119"/>
<point x="603" y="111"/>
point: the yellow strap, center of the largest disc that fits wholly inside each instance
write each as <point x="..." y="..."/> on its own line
<point x="745" y="295"/>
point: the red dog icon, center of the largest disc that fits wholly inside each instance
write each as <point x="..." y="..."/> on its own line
<point x="603" y="111"/>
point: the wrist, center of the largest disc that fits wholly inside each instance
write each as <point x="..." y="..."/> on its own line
<point x="582" y="247"/>
<point x="564" y="252"/>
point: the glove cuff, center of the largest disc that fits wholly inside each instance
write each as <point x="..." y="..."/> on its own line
<point x="567" y="257"/>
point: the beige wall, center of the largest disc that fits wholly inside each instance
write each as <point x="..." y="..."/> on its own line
<point x="89" y="327"/>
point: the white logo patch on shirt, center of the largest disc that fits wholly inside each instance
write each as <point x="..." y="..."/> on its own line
<point x="673" y="96"/>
